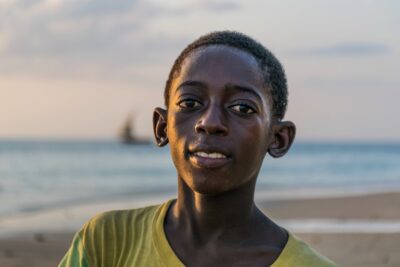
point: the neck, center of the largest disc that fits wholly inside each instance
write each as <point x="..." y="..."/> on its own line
<point x="209" y="217"/>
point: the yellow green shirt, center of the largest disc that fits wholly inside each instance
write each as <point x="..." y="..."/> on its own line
<point x="136" y="238"/>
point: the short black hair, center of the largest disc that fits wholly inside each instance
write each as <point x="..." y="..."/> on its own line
<point x="274" y="74"/>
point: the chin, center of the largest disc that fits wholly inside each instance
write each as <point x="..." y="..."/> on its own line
<point x="204" y="190"/>
<point x="209" y="185"/>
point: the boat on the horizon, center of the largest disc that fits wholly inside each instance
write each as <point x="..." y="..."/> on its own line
<point x="127" y="134"/>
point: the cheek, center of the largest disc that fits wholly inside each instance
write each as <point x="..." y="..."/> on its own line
<point x="253" y="144"/>
<point x="180" y="126"/>
<point x="255" y="133"/>
<point x="178" y="132"/>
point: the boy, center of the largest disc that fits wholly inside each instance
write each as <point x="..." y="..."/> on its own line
<point x="226" y="96"/>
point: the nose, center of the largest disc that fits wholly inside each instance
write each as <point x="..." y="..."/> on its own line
<point x="212" y="122"/>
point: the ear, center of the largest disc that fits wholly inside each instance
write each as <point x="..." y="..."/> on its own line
<point x="284" y="133"/>
<point x="160" y="126"/>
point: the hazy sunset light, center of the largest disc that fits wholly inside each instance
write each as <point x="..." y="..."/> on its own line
<point x="75" y="69"/>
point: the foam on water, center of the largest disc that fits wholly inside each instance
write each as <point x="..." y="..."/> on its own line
<point x="340" y="226"/>
<point x="36" y="176"/>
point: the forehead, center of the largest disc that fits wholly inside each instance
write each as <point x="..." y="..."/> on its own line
<point x="219" y="65"/>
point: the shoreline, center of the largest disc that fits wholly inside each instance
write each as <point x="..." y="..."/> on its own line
<point x="281" y="204"/>
<point x="374" y="206"/>
<point x="301" y="193"/>
<point x="44" y="246"/>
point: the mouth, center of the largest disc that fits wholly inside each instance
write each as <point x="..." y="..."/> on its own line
<point x="212" y="155"/>
<point x="208" y="157"/>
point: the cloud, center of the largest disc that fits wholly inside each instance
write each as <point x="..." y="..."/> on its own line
<point x="102" y="7"/>
<point x="90" y="29"/>
<point x="219" y="6"/>
<point x="345" y="83"/>
<point x="65" y="37"/>
<point x="346" y="50"/>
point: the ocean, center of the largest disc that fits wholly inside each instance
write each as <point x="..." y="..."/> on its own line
<point x="44" y="175"/>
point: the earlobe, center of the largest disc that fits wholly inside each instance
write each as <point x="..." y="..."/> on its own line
<point x="160" y="126"/>
<point x="284" y="134"/>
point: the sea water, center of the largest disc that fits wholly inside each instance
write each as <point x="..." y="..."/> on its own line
<point x="40" y="175"/>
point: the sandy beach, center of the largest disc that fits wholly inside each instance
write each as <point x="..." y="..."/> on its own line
<point x="358" y="246"/>
<point x="353" y="249"/>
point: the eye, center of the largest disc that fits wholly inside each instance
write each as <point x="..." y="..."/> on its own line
<point x="242" y="108"/>
<point x="189" y="103"/>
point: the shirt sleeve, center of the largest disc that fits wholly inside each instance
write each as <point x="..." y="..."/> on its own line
<point x="76" y="255"/>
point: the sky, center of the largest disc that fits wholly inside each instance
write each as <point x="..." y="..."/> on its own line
<point x="77" y="68"/>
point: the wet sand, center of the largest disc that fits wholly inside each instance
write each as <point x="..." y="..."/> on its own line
<point x="347" y="249"/>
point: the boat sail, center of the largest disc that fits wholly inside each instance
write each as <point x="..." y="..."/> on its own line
<point x="127" y="134"/>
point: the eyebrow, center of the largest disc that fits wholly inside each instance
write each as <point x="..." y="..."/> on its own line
<point x="235" y="87"/>
<point x="245" y="89"/>
<point x="191" y="83"/>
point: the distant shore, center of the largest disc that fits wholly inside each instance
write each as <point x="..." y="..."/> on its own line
<point x="46" y="247"/>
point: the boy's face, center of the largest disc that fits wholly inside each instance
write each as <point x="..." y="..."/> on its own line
<point x="219" y="120"/>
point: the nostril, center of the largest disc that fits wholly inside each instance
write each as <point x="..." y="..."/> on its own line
<point x="211" y="128"/>
<point x="212" y="121"/>
<point x="199" y="127"/>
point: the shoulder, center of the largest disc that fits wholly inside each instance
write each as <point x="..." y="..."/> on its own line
<point x="109" y="238"/>
<point x="120" y="217"/>
<point x="118" y="224"/>
<point x="111" y="231"/>
<point x="298" y="253"/>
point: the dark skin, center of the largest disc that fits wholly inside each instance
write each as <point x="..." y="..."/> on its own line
<point x="220" y="127"/>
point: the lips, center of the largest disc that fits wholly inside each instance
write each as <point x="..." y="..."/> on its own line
<point x="208" y="157"/>
<point x="213" y="155"/>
